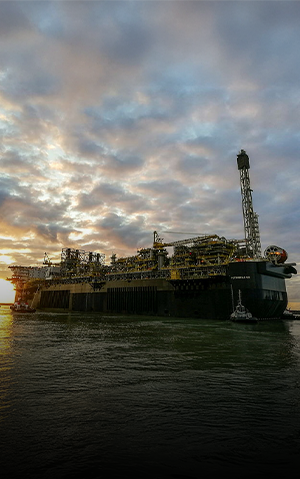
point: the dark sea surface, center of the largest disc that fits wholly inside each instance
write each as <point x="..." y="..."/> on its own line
<point x="87" y="396"/>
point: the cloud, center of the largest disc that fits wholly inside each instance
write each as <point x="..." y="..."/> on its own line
<point x="13" y="21"/>
<point x="120" y="118"/>
<point x="106" y="196"/>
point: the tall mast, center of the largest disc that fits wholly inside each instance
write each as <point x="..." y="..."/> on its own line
<point x="251" y="227"/>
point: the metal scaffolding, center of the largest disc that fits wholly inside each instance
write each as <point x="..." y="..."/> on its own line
<point x="76" y="262"/>
<point x="252" y="236"/>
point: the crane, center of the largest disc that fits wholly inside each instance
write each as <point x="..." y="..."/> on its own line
<point x="158" y="241"/>
<point x="47" y="260"/>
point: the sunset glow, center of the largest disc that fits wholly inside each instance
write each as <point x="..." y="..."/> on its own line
<point x="7" y="293"/>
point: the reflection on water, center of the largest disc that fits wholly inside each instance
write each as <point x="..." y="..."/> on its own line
<point x="5" y="329"/>
<point x="150" y="397"/>
<point x="6" y="355"/>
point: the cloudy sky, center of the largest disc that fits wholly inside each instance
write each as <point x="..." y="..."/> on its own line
<point x="119" y="118"/>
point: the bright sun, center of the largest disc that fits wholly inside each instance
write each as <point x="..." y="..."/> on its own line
<point x="7" y="292"/>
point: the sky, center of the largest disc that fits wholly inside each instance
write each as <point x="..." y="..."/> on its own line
<point x="119" y="118"/>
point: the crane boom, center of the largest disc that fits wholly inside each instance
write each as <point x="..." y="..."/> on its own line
<point x="159" y="243"/>
<point x="197" y="239"/>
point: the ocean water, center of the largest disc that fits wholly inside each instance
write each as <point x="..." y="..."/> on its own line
<point x="85" y="395"/>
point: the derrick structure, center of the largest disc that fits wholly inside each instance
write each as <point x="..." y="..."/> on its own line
<point x="251" y="226"/>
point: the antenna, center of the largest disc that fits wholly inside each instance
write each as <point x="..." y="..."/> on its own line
<point x="251" y="226"/>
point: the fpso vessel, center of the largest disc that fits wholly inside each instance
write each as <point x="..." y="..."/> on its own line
<point x="203" y="278"/>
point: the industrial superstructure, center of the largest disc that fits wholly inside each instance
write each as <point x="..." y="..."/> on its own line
<point x="203" y="277"/>
<point x="251" y="226"/>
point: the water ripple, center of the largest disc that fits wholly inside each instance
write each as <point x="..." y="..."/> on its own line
<point x="84" y="395"/>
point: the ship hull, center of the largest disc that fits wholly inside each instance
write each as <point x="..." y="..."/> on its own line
<point x="262" y="287"/>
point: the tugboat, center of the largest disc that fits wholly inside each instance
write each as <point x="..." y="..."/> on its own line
<point x="21" y="307"/>
<point x="242" y="314"/>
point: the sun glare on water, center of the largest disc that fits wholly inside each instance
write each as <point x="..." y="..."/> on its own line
<point x="7" y="293"/>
